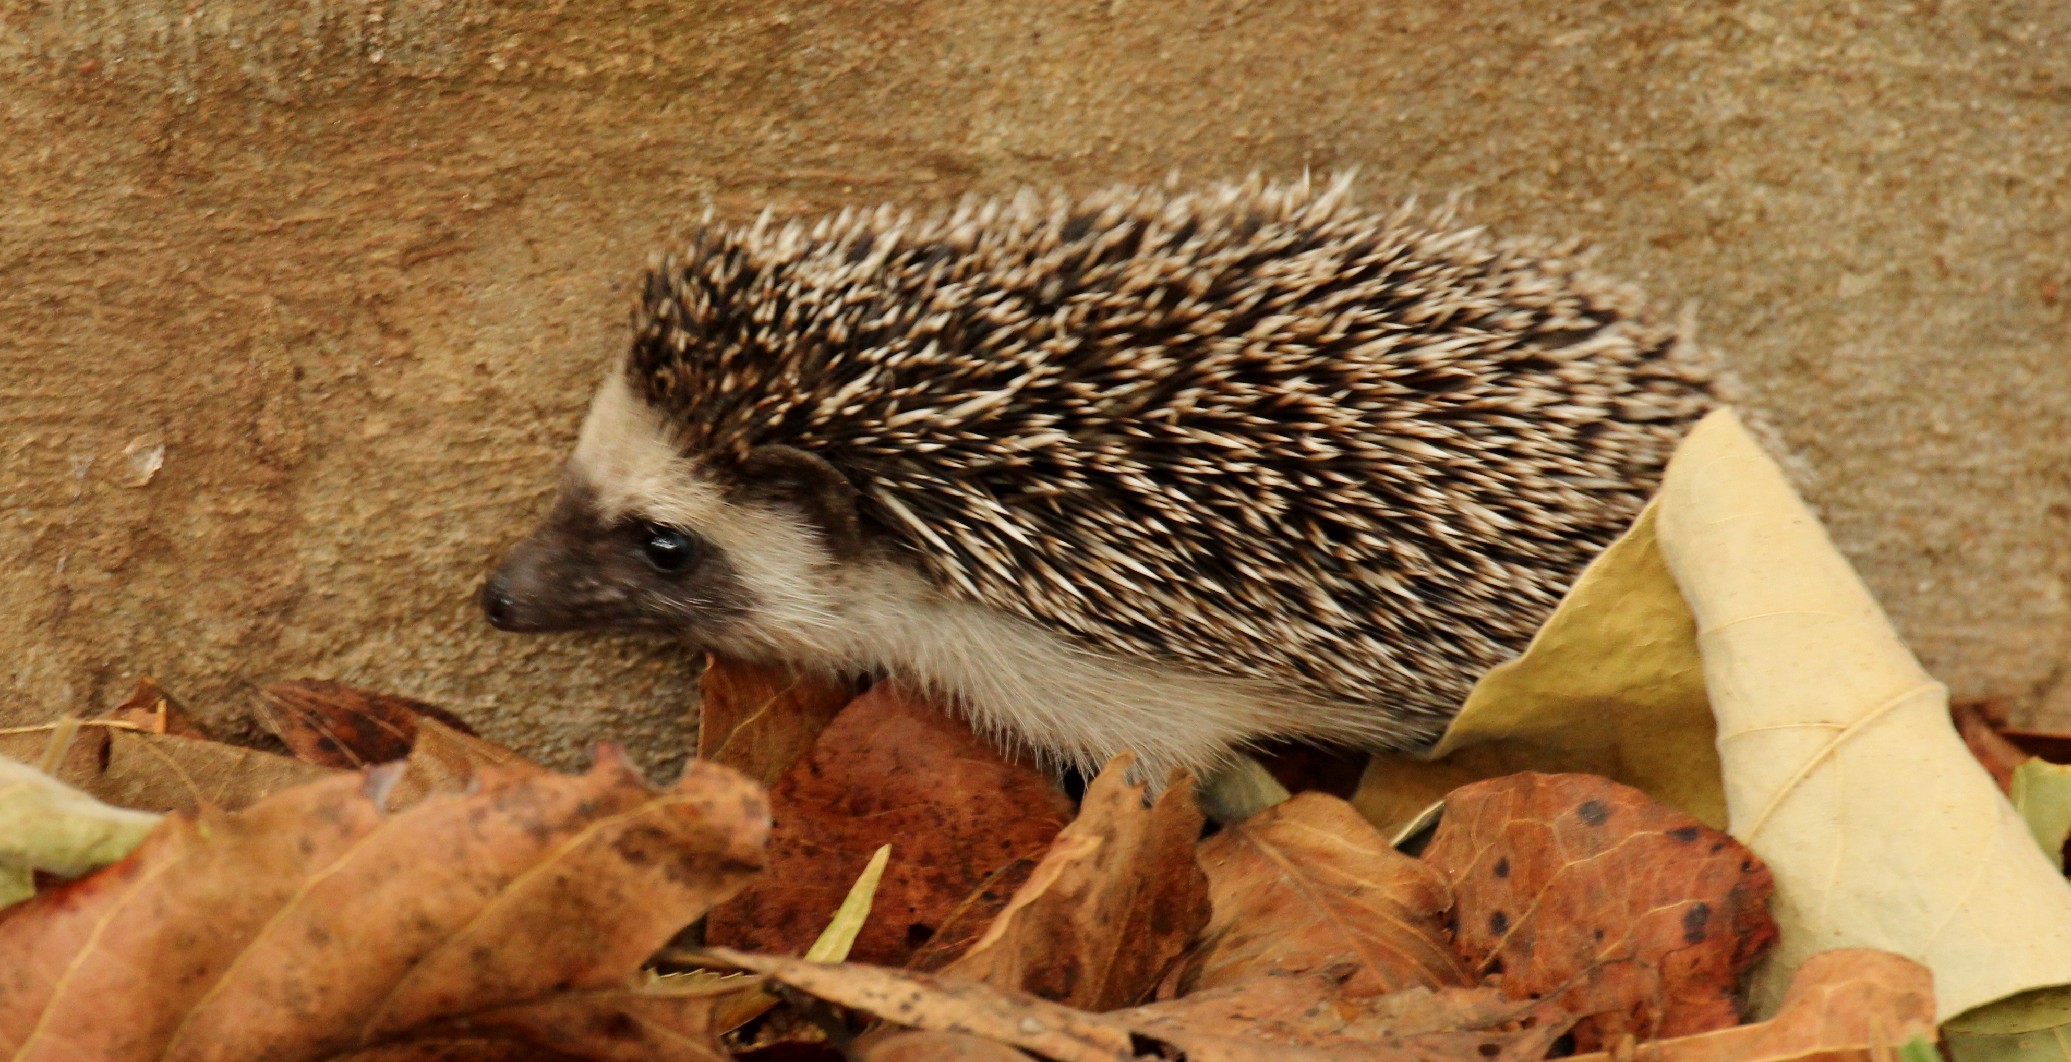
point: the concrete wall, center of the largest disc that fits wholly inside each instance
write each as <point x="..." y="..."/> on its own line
<point x="356" y="265"/>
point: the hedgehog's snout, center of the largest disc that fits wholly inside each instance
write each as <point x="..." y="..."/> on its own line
<point x="531" y="591"/>
<point x="496" y="603"/>
<point x="502" y="596"/>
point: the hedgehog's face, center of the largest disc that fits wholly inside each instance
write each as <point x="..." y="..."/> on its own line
<point x="644" y="536"/>
<point x="589" y="566"/>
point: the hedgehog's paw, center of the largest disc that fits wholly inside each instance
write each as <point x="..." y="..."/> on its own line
<point x="1238" y="789"/>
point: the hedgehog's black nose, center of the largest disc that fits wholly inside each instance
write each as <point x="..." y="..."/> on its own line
<point x="497" y="605"/>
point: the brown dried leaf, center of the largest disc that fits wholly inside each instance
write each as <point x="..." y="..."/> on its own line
<point x="313" y="923"/>
<point x="930" y="1002"/>
<point x="339" y="725"/>
<point x="1589" y="891"/>
<point x="160" y="772"/>
<point x="344" y="726"/>
<point x="1842" y="1006"/>
<point x="153" y="711"/>
<point x="785" y="1034"/>
<point x="2047" y="745"/>
<point x="1310" y="1010"/>
<point x="673" y="1018"/>
<point x="1110" y="908"/>
<point x="940" y="1047"/>
<point x="889" y="770"/>
<point x="760" y="719"/>
<point x="1305" y="767"/>
<point x="1332" y="1029"/>
<point x="444" y="760"/>
<point x="1310" y="885"/>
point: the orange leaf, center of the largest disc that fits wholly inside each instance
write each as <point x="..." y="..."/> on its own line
<point x="1849" y="1005"/>
<point x="1578" y="887"/>
<point x="1109" y="909"/>
<point x="759" y="719"/>
<point x="343" y="726"/>
<point x="889" y="770"/>
<point x="1309" y="884"/>
<point x="313" y="923"/>
<point x="154" y="711"/>
<point x="970" y="920"/>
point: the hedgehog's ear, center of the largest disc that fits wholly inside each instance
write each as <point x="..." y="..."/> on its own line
<point x="791" y="476"/>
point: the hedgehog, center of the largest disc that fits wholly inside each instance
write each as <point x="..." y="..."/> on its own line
<point x="1153" y="470"/>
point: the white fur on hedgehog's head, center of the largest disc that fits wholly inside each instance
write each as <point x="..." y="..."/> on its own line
<point x="743" y="559"/>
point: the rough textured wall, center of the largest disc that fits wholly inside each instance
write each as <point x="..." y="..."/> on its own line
<point x="355" y="266"/>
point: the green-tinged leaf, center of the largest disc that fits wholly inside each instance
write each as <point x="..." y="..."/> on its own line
<point x="1919" y="1049"/>
<point x="2042" y="1045"/>
<point x="840" y="935"/>
<point x="16" y="884"/>
<point x="832" y="946"/>
<point x="49" y="826"/>
<point x="2032" y="1025"/>
<point x="2042" y="794"/>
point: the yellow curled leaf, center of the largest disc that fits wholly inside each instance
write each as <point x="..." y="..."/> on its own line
<point x="1841" y="767"/>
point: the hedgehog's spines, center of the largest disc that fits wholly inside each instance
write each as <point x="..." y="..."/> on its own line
<point x="1254" y="431"/>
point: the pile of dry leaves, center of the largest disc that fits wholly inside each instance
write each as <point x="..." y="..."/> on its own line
<point x="459" y="903"/>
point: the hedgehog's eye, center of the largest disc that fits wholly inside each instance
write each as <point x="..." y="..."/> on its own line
<point x="668" y="549"/>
